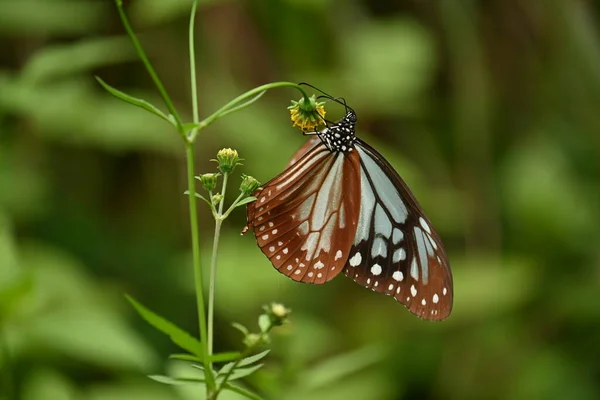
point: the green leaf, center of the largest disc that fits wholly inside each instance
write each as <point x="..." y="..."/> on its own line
<point x="185" y="357"/>
<point x="13" y="294"/>
<point x="178" y="336"/>
<point x="243" y="105"/>
<point x="135" y="101"/>
<point x="167" y="380"/>
<point x="190" y="125"/>
<point x="264" y="322"/>
<point x="187" y="192"/>
<point x="246" y="361"/>
<point x="239" y="373"/>
<point x="247" y="200"/>
<point x="244" y="392"/>
<point x="254" y="358"/>
<point x="335" y="368"/>
<point x="240" y="328"/>
<point x="227" y="356"/>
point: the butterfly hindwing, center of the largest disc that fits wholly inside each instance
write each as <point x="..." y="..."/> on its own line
<point x="395" y="251"/>
<point x="304" y="219"/>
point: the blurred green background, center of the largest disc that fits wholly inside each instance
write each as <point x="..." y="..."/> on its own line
<point x="488" y="109"/>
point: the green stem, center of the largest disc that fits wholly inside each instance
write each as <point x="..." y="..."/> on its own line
<point x="233" y="205"/>
<point x="149" y="67"/>
<point x="213" y="267"/>
<point x="246" y="393"/>
<point x="233" y="103"/>
<point x="210" y="382"/>
<point x="237" y="362"/>
<point x="196" y="117"/>
<point x="7" y="375"/>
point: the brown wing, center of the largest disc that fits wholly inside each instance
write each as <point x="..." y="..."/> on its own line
<point x="395" y="250"/>
<point x="305" y="218"/>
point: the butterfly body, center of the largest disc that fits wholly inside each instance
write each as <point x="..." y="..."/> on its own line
<point x="341" y="207"/>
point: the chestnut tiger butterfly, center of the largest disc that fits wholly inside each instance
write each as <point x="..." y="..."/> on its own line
<point x="341" y="207"/>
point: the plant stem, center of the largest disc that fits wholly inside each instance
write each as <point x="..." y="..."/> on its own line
<point x="210" y="382"/>
<point x="233" y="103"/>
<point x="7" y="375"/>
<point x="192" y="50"/>
<point x="213" y="267"/>
<point x="149" y="67"/>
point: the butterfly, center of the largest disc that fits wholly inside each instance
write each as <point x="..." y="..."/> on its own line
<point x="341" y="207"/>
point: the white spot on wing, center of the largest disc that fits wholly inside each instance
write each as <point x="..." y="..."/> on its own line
<point x="355" y="260"/>
<point x="319" y="265"/>
<point x="413" y="290"/>
<point x="435" y="298"/>
<point x="338" y="255"/>
<point x="376" y="269"/>
<point x="398" y="276"/>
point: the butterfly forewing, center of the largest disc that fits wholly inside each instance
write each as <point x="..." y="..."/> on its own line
<point x="395" y="251"/>
<point x="305" y="218"/>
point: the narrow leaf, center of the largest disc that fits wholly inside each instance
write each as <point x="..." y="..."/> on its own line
<point x="135" y="101"/>
<point x="175" y="381"/>
<point x="185" y="357"/>
<point x="239" y="373"/>
<point x="246" y="361"/>
<point x="178" y="336"/>
<point x="244" y="392"/>
<point x="264" y="322"/>
<point x="189" y="126"/>
<point x="247" y="200"/>
<point x="228" y="356"/>
<point x="335" y="368"/>
<point x="187" y="192"/>
<point x="243" y="105"/>
<point x="241" y="328"/>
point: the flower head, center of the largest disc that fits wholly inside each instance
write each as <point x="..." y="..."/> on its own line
<point x="209" y="181"/>
<point x="307" y="115"/>
<point x="228" y="159"/>
<point x="278" y="313"/>
<point x="249" y="184"/>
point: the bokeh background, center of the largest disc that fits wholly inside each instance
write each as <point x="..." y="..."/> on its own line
<point x="488" y="109"/>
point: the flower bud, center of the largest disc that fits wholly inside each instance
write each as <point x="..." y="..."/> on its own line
<point x="249" y="184"/>
<point x="228" y="159"/>
<point x="278" y="313"/>
<point x="217" y="198"/>
<point x="209" y="181"/>
<point x="307" y="114"/>
<point x="254" y="339"/>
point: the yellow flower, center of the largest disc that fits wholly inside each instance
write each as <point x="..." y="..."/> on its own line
<point x="307" y="115"/>
<point x="228" y="159"/>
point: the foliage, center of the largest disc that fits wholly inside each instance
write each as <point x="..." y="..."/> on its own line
<point x="487" y="109"/>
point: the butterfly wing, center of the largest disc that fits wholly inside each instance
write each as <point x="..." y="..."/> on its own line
<point x="305" y="218"/>
<point x="308" y="146"/>
<point x="395" y="250"/>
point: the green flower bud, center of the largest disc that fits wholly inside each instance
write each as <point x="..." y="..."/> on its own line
<point x="209" y="181"/>
<point x="254" y="339"/>
<point x="278" y="313"/>
<point x="249" y="185"/>
<point x="217" y="198"/>
<point x="228" y="159"/>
